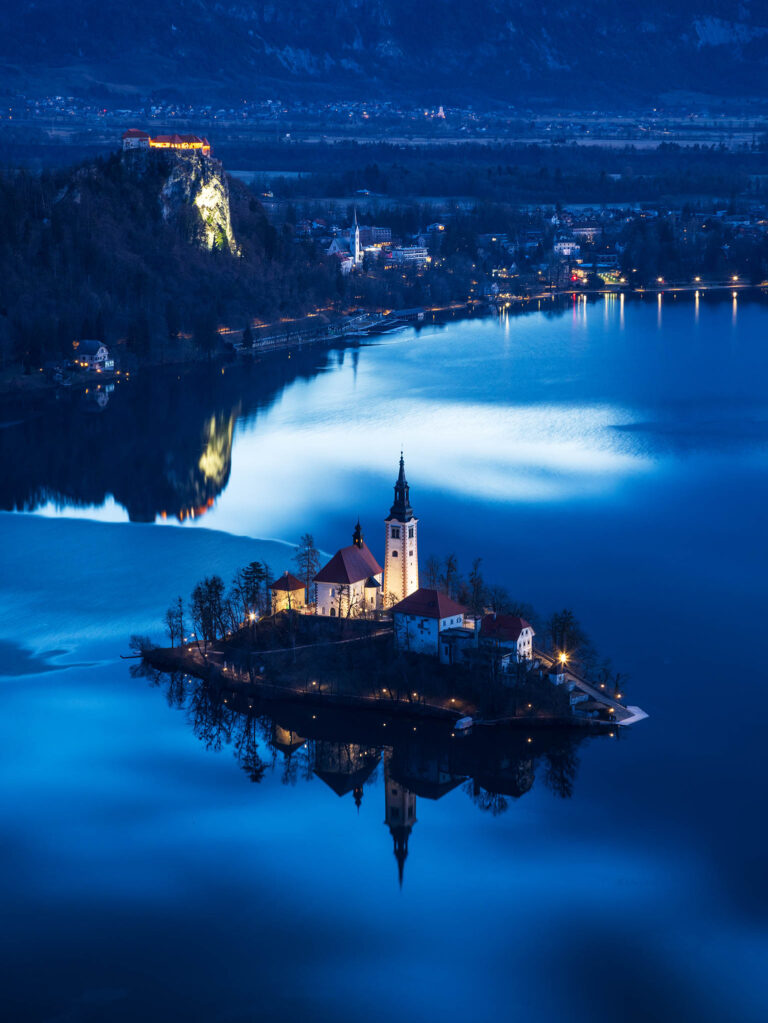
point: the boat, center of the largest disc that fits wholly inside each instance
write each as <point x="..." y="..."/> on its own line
<point x="463" y="725"/>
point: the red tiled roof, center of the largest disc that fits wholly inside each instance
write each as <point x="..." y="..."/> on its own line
<point x="429" y="604"/>
<point x="287" y="582"/>
<point x="349" y="565"/>
<point x="505" y="628"/>
<point x="135" y="133"/>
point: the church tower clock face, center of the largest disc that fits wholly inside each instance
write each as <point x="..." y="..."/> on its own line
<point x="401" y="554"/>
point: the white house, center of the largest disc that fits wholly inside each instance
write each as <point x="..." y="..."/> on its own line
<point x="93" y="355"/>
<point x="566" y="247"/>
<point x="508" y="632"/>
<point x="420" y="619"/>
<point x="351" y="581"/>
<point x="134" y="138"/>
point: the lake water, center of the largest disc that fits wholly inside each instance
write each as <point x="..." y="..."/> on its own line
<point x="163" y="858"/>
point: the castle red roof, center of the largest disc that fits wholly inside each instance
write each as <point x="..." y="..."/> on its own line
<point x="504" y="628"/>
<point x="178" y="140"/>
<point x="349" y="565"/>
<point x="135" y="133"/>
<point x="429" y="604"/>
<point x="287" y="582"/>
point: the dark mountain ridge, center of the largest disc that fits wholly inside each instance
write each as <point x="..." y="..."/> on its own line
<point x="559" y="51"/>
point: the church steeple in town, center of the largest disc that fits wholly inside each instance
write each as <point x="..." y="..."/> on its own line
<point x="357" y="536"/>
<point x="354" y="242"/>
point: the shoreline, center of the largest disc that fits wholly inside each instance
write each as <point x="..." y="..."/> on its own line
<point x="343" y="332"/>
<point x="225" y="683"/>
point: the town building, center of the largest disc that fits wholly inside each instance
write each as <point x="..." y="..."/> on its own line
<point x="508" y="632"/>
<point x="401" y="553"/>
<point x="93" y="356"/>
<point x="288" y="594"/>
<point x="350" y="584"/>
<point x="566" y="247"/>
<point x="413" y="255"/>
<point x="420" y="619"/>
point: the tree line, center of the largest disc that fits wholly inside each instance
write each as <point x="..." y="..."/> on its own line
<point x="214" y="612"/>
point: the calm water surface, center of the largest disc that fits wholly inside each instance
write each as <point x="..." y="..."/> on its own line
<point x="166" y="858"/>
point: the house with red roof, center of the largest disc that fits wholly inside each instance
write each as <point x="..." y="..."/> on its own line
<point x="134" y="138"/>
<point x="350" y="584"/>
<point x="508" y="633"/>
<point x="423" y="620"/>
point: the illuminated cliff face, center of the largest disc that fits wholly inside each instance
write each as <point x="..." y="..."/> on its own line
<point x="200" y="184"/>
<point x="216" y="459"/>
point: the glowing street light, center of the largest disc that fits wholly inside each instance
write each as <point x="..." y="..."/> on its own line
<point x="563" y="657"/>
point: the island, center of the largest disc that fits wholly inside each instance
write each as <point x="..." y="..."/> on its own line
<point x="355" y="634"/>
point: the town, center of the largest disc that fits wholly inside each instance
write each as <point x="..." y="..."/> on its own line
<point x="350" y="631"/>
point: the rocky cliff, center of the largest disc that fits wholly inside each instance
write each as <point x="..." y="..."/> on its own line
<point x="196" y="185"/>
<point x="598" y="52"/>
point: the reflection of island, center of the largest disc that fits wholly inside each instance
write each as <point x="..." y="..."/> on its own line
<point x="345" y="749"/>
<point x="160" y="446"/>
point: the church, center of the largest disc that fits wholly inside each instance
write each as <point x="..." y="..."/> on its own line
<point x="354" y="583"/>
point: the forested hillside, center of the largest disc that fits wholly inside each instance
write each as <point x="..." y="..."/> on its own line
<point x="107" y="250"/>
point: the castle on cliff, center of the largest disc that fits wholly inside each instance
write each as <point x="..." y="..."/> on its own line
<point x="134" y="138"/>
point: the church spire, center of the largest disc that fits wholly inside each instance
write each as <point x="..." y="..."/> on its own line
<point x="401" y="851"/>
<point x="401" y="509"/>
<point x="357" y="536"/>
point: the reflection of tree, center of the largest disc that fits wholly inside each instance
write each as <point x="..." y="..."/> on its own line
<point x="344" y="749"/>
<point x="488" y="802"/>
<point x="561" y="766"/>
<point x="162" y="446"/>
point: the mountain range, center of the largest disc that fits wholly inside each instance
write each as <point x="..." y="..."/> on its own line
<point x="591" y="52"/>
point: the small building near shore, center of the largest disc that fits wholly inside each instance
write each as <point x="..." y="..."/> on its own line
<point x="94" y="356"/>
<point x="288" y="594"/>
<point x="421" y="618"/>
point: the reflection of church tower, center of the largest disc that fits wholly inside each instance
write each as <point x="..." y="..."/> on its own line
<point x="400" y="816"/>
<point x="401" y="555"/>
<point x="354" y="242"/>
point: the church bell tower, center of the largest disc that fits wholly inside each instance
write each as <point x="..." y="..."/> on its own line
<point x="401" y="554"/>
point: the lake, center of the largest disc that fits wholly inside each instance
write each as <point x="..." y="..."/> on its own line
<point x="165" y="856"/>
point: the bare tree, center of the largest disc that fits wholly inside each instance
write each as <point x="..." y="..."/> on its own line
<point x="307" y="559"/>
<point x="476" y="588"/>
<point x="174" y="622"/>
<point x="450" y="575"/>
<point x="432" y="572"/>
